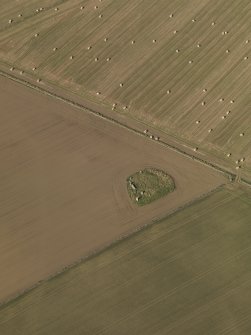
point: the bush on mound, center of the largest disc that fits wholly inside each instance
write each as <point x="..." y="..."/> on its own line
<point x="148" y="185"/>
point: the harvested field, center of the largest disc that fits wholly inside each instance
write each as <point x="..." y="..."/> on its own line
<point x="183" y="67"/>
<point x="189" y="274"/>
<point x="63" y="184"/>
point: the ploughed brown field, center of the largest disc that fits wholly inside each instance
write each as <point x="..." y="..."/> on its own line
<point x="63" y="184"/>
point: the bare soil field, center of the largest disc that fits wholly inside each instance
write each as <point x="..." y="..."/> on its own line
<point x="181" y="66"/>
<point x="189" y="274"/>
<point x="63" y="184"/>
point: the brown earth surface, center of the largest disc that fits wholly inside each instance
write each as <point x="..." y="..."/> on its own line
<point x="63" y="184"/>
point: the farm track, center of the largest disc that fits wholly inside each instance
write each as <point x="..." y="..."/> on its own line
<point x="147" y="69"/>
<point x="113" y="120"/>
<point x="66" y="153"/>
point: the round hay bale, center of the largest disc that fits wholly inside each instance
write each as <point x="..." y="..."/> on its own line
<point x="121" y="84"/>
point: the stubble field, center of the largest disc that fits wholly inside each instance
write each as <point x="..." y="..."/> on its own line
<point x="163" y="53"/>
<point x="179" y="67"/>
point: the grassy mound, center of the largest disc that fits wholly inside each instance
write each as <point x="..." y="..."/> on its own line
<point x="148" y="185"/>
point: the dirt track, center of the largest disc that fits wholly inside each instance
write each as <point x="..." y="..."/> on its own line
<point x="63" y="190"/>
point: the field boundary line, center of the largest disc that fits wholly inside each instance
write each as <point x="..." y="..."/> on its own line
<point x="70" y="102"/>
<point x="122" y="237"/>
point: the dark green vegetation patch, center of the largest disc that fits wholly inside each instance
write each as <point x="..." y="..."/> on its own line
<point x="148" y="185"/>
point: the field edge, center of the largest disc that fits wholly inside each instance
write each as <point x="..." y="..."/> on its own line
<point x="113" y="244"/>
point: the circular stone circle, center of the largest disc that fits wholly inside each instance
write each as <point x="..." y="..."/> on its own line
<point x="148" y="185"/>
